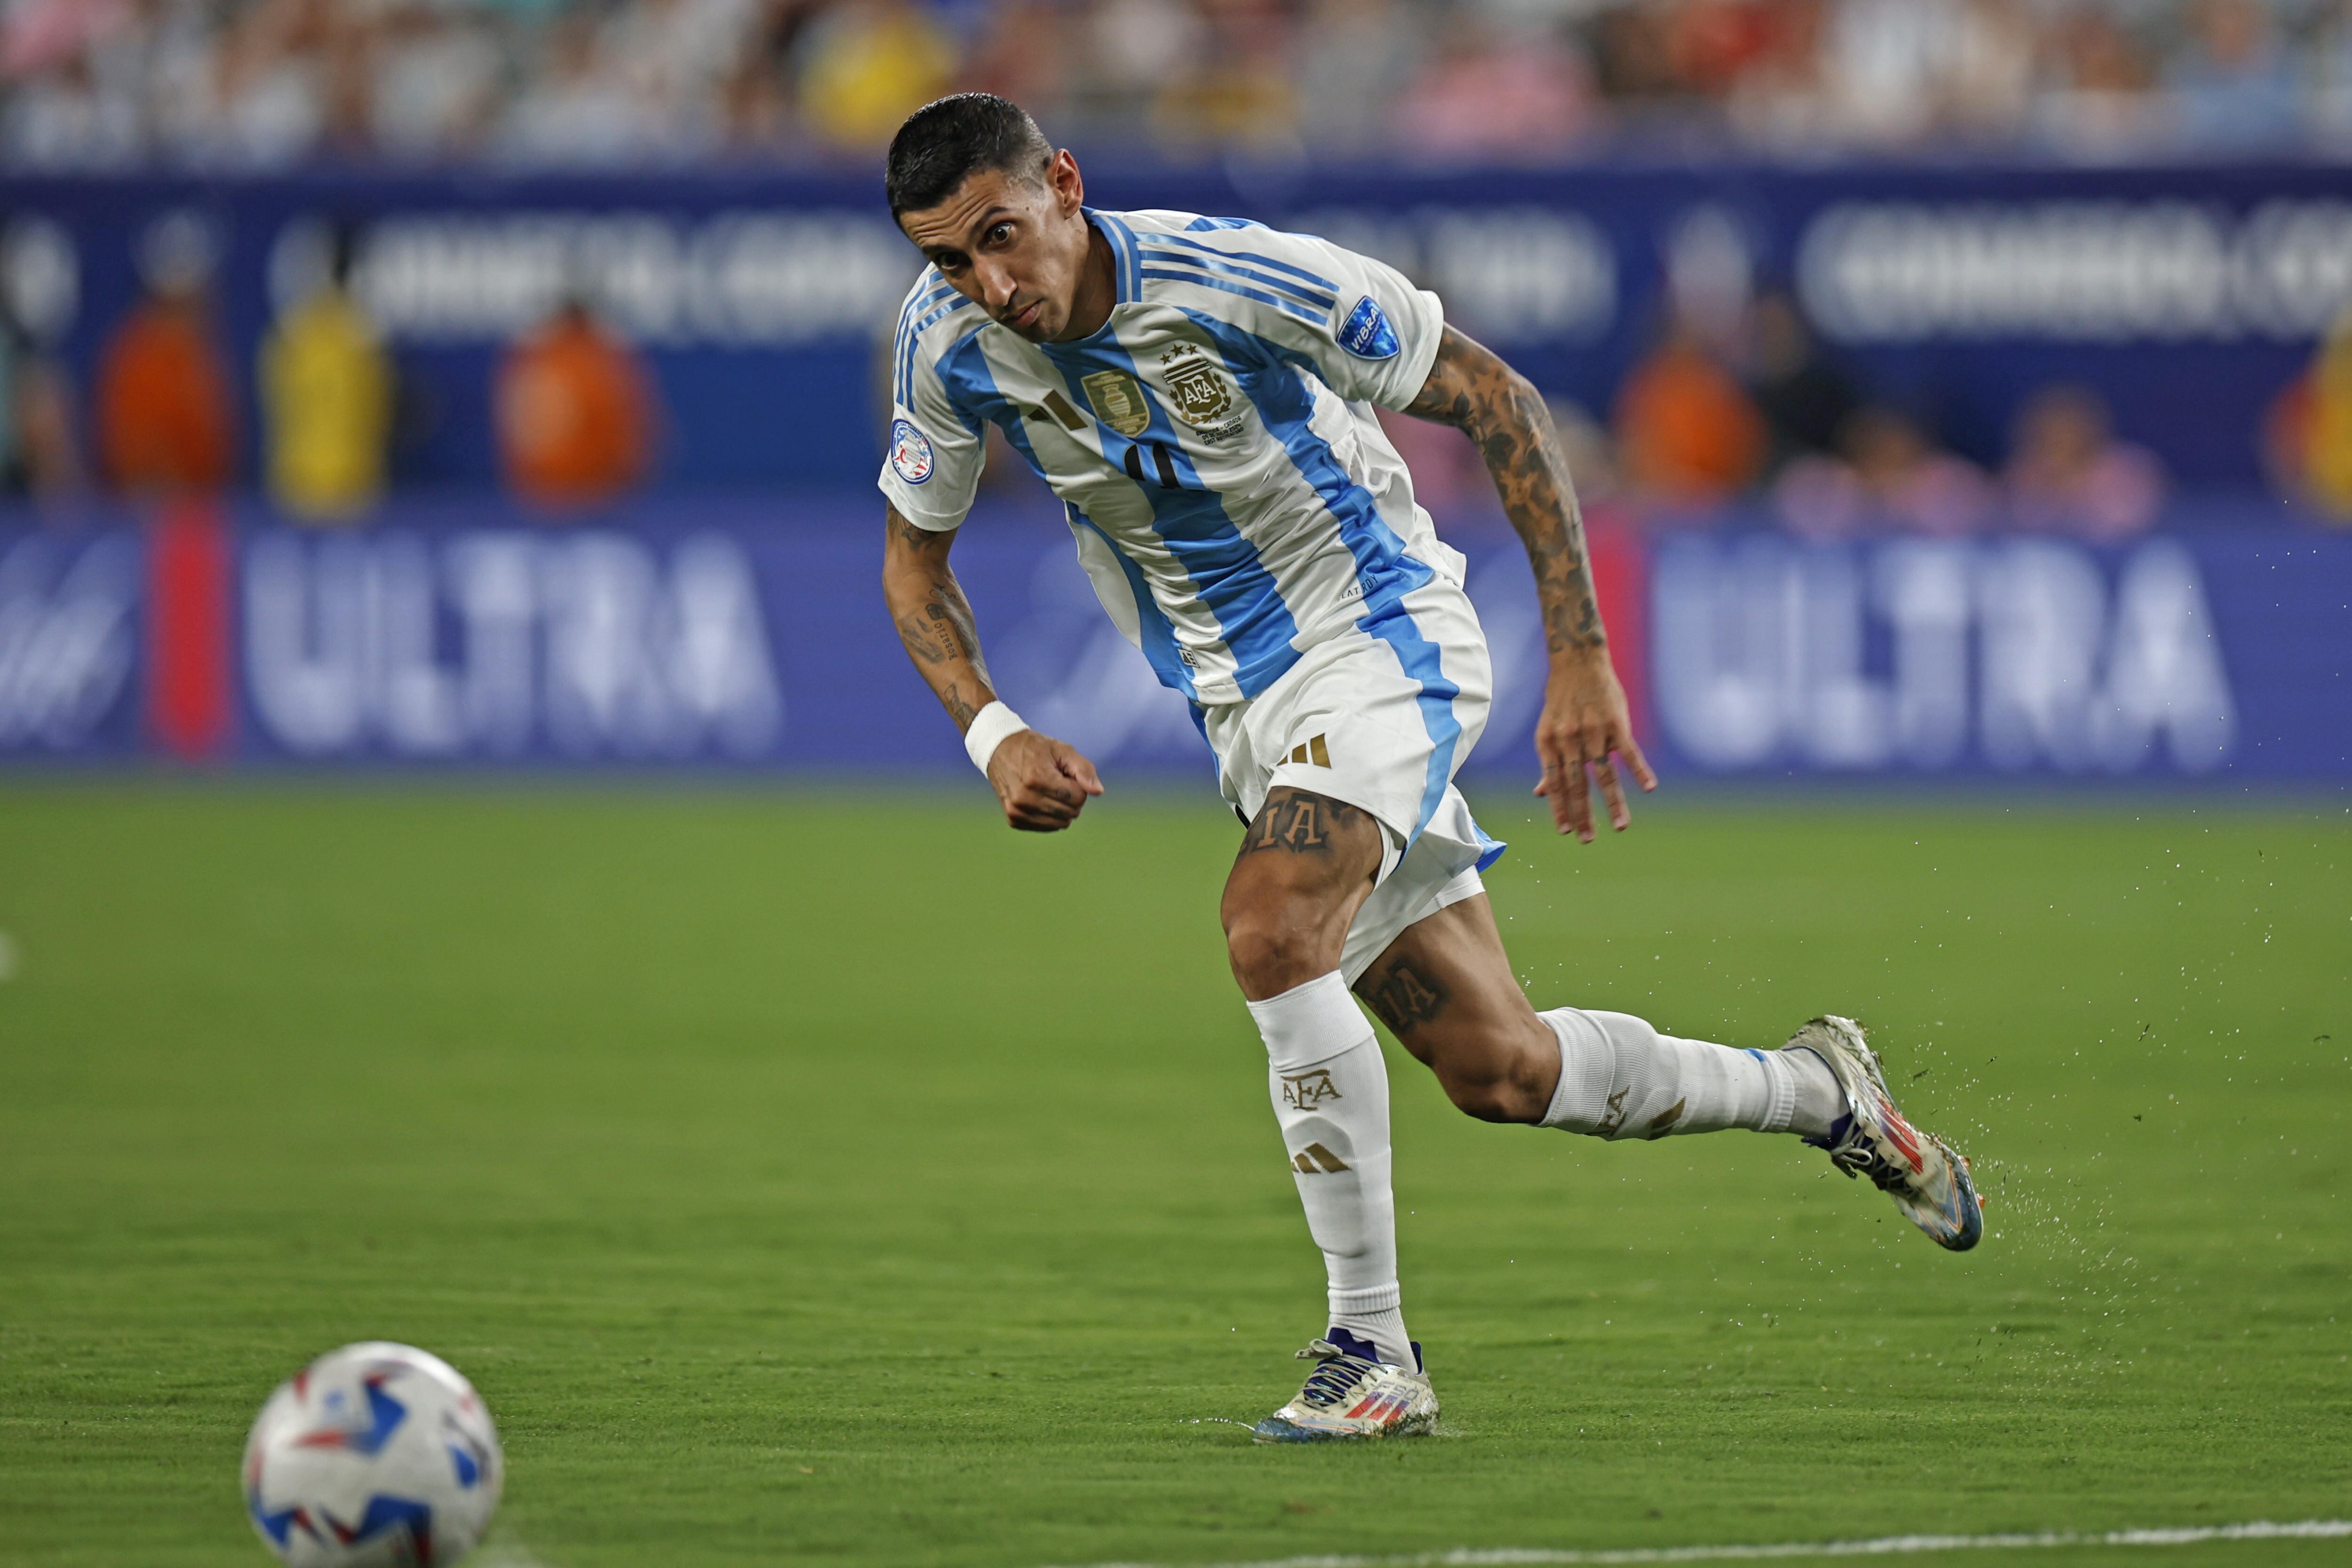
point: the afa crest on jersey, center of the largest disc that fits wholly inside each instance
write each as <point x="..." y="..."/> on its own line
<point x="910" y="452"/>
<point x="1200" y="391"/>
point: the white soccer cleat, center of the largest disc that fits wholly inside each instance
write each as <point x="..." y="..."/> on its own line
<point x="1927" y="1179"/>
<point x="1352" y="1395"/>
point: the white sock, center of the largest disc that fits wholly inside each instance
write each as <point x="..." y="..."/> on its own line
<point x="1330" y="1092"/>
<point x="1821" y="1103"/>
<point x="1618" y="1078"/>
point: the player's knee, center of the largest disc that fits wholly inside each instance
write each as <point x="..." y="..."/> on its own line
<point x="1271" y="953"/>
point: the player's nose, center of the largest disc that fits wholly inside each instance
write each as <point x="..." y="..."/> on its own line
<point x="997" y="286"/>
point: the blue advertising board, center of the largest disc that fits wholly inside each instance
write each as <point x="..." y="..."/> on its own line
<point x="752" y="635"/>
<point x="2188" y="296"/>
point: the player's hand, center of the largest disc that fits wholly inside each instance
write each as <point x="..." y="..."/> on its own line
<point x="1584" y="722"/>
<point x="1042" y="783"/>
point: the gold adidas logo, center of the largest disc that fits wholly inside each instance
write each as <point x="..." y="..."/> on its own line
<point x="1316" y="1159"/>
<point x="1313" y="751"/>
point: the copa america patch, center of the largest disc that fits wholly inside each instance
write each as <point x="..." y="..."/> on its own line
<point x="910" y="452"/>
<point x="1366" y="333"/>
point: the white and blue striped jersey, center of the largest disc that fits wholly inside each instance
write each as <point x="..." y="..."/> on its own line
<point x="1214" y="447"/>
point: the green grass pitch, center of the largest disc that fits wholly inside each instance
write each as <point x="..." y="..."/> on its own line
<point x="817" y="1178"/>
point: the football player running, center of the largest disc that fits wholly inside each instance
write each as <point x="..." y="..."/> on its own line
<point x="1199" y="392"/>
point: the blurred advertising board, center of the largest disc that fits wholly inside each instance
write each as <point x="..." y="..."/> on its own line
<point x="2187" y="297"/>
<point x="751" y="635"/>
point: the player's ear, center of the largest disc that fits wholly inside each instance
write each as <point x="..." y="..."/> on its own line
<point x="1069" y="187"/>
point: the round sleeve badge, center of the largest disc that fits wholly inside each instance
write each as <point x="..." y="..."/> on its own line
<point x="910" y="452"/>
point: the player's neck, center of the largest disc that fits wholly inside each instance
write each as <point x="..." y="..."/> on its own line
<point x="1098" y="290"/>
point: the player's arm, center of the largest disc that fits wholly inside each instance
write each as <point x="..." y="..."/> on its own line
<point x="1041" y="782"/>
<point x="1584" y="718"/>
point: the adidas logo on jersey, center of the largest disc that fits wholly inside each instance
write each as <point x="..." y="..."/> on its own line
<point x="1313" y="751"/>
<point x="1316" y="1159"/>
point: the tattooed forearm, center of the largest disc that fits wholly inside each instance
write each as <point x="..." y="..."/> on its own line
<point x="1472" y="390"/>
<point x="940" y="628"/>
<point x="933" y="618"/>
<point x="1403" y="997"/>
<point x="1300" y="823"/>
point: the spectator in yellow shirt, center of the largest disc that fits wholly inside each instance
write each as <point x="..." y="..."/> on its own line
<point x="869" y="64"/>
<point x="327" y="401"/>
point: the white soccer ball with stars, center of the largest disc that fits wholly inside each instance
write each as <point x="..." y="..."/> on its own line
<point x="375" y="1455"/>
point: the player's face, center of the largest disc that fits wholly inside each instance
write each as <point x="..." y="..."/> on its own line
<point x="1016" y="247"/>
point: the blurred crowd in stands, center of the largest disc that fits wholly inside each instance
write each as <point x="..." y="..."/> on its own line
<point x="577" y="412"/>
<point x="1762" y="417"/>
<point x="1749" y="412"/>
<point x="1745" y="409"/>
<point x="265" y="83"/>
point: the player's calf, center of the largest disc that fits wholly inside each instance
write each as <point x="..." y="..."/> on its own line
<point x="1445" y="990"/>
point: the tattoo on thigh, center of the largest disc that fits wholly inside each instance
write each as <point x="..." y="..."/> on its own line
<point x="1405" y="998"/>
<point x="1301" y="823"/>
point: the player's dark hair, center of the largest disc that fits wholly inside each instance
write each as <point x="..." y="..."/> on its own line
<point x="947" y="140"/>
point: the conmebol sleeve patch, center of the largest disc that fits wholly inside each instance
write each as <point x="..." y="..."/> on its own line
<point x="1366" y="333"/>
<point x="910" y="451"/>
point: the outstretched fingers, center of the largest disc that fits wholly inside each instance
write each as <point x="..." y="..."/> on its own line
<point x="1564" y="785"/>
<point x="1612" y="795"/>
<point x="1613" y="791"/>
<point x="1630" y="752"/>
<point x="1568" y="785"/>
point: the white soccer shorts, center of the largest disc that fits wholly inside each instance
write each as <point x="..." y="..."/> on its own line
<point x="1380" y="717"/>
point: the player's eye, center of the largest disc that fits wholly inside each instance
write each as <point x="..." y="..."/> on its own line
<point x="1000" y="234"/>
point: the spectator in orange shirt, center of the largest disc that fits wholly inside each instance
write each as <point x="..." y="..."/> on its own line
<point x="574" y="414"/>
<point x="1686" y="431"/>
<point x="2308" y="434"/>
<point x="164" y="424"/>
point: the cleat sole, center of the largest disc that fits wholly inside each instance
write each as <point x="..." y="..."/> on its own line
<point x="1274" y="1429"/>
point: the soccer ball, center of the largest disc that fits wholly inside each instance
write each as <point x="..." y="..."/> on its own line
<point x="375" y="1455"/>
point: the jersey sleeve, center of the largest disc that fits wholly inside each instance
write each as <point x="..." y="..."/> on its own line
<point x="1381" y="334"/>
<point x="931" y="470"/>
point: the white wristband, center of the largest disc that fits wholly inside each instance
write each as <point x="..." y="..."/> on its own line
<point x="990" y="729"/>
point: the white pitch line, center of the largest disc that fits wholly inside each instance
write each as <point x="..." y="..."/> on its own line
<point x="1883" y="1546"/>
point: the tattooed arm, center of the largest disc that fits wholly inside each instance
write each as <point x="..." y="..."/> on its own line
<point x="1584" y="719"/>
<point x="1041" y="782"/>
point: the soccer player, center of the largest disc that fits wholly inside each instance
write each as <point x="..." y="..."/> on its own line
<point x="1199" y="392"/>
